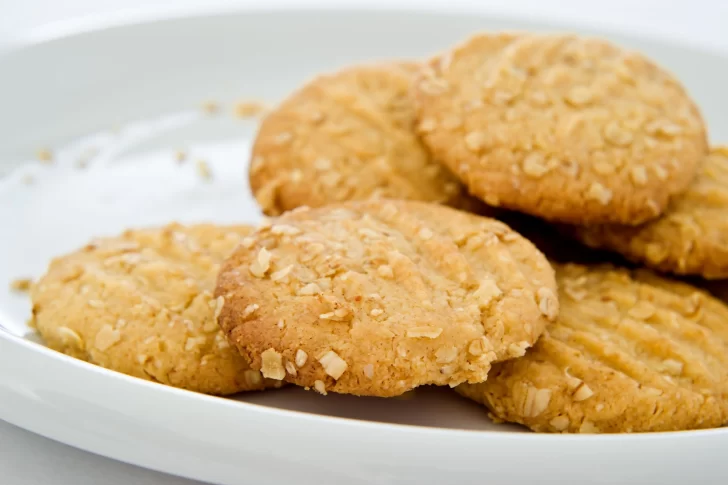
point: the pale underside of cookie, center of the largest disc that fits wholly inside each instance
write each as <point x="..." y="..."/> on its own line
<point x="348" y="136"/>
<point x="142" y="304"/>
<point x="376" y="298"/>
<point x="566" y="128"/>
<point x="690" y="238"/>
<point x="628" y="353"/>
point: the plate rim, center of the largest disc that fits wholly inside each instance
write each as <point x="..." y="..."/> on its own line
<point x="403" y="431"/>
<point x="344" y="421"/>
<point x="90" y="24"/>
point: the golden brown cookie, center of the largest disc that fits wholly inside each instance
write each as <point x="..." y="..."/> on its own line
<point x="562" y="127"/>
<point x="348" y="136"/>
<point x="142" y="304"/>
<point x="629" y="352"/>
<point x="379" y="297"/>
<point x="690" y="238"/>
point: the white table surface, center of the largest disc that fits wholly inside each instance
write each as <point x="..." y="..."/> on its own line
<point x="29" y="459"/>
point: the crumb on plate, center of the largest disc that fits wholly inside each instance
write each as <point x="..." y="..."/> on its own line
<point x="203" y="169"/>
<point x="21" y="284"/>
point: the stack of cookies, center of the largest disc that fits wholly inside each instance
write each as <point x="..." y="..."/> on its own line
<point x="386" y="264"/>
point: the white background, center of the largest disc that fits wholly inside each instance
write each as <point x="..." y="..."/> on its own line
<point x="32" y="460"/>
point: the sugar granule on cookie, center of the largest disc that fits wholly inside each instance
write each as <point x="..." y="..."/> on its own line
<point x="690" y="238"/>
<point x="566" y="128"/>
<point x="142" y="304"/>
<point x="384" y="296"/>
<point x="348" y="136"/>
<point x="629" y="352"/>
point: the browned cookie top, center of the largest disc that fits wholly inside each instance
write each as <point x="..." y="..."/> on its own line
<point x="142" y="304"/>
<point x="629" y="352"/>
<point x="566" y="128"/>
<point x="376" y="298"/>
<point x="347" y="136"/>
<point x="691" y="237"/>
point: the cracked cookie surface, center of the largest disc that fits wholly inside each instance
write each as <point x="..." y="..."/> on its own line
<point x="379" y="297"/>
<point x="348" y="136"/>
<point x="629" y="352"/>
<point x="566" y="128"/>
<point x="142" y="304"/>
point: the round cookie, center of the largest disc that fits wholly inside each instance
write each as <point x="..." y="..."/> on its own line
<point x="691" y="238"/>
<point x="142" y="304"/>
<point x="562" y="127"/>
<point x="629" y="352"/>
<point x="379" y="297"/>
<point x="348" y="136"/>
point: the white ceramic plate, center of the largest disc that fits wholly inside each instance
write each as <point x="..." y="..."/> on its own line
<point x="125" y="100"/>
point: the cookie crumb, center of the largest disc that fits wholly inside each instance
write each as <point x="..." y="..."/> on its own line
<point x="21" y="284"/>
<point x="45" y="156"/>
<point x="180" y="156"/>
<point x="203" y="170"/>
<point x="249" y="109"/>
<point x="210" y="107"/>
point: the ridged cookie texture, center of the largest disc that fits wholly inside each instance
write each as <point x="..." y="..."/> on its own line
<point x="630" y="352"/>
<point x="142" y="304"/>
<point x="379" y="297"/>
<point x="567" y="128"/>
<point x="691" y="238"/>
<point x="348" y="136"/>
